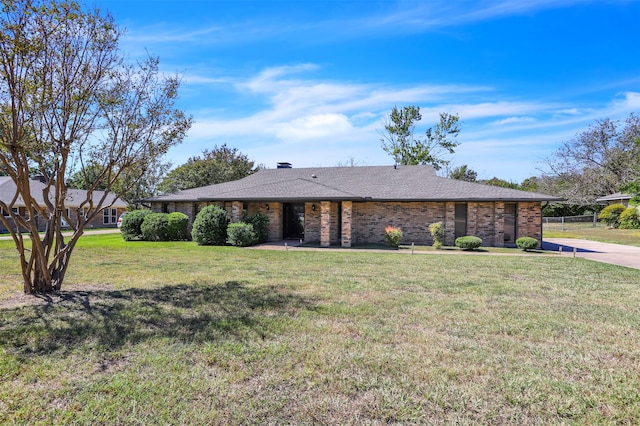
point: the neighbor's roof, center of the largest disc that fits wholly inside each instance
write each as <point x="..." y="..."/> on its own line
<point x="73" y="199"/>
<point x="376" y="183"/>
<point x="614" y="197"/>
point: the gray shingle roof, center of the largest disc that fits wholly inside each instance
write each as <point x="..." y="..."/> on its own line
<point x="73" y="199"/>
<point x="377" y="183"/>
<point x="614" y="197"/>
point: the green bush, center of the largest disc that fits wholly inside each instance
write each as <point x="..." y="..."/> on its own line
<point x="527" y="243"/>
<point x="629" y="218"/>
<point x="611" y="214"/>
<point x="437" y="232"/>
<point x="260" y="222"/>
<point x="154" y="227"/>
<point x="468" y="242"/>
<point x="210" y="227"/>
<point x="177" y="227"/>
<point x="131" y="223"/>
<point x="241" y="234"/>
<point x="392" y="236"/>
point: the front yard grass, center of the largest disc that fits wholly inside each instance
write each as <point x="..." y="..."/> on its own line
<point x="173" y="333"/>
<point x="586" y="231"/>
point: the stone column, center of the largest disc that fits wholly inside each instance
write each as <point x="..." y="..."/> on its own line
<point x="347" y="207"/>
<point x="499" y="224"/>
<point x="449" y="223"/>
<point x="325" y="223"/>
<point x="236" y="211"/>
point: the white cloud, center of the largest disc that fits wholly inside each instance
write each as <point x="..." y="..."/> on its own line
<point x="314" y="126"/>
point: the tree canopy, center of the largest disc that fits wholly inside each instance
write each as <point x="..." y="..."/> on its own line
<point x="221" y="164"/>
<point x="597" y="162"/>
<point x="400" y="142"/>
<point x="463" y="172"/>
<point x="70" y="103"/>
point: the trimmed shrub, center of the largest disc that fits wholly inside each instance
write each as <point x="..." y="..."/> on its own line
<point x="210" y="227"/>
<point x="131" y="223"/>
<point x="468" y="242"/>
<point x="154" y="227"/>
<point x="629" y="218"/>
<point x="611" y="214"/>
<point x="241" y="234"/>
<point x="527" y="243"/>
<point x="260" y="222"/>
<point x="392" y="236"/>
<point x="437" y="232"/>
<point x="177" y="226"/>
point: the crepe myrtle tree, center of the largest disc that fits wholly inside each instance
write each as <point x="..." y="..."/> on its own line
<point x="70" y="101"/>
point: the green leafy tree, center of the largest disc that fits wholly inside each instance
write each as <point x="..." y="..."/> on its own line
<point x="221" y="164"/>
<point x="463" y="173"/>
<point x="400" y="142"/>
<point x="69" y="101"/>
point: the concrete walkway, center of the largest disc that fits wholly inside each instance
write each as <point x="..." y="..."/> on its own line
<point x="615" y="254"/>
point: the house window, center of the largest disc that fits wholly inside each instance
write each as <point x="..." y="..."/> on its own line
<point x="460" y="221"/>
<point x="109" y="216"/>
<point x="105" y="216"/>
<point x="114" y="216"/>
<point x="510" y="215"/>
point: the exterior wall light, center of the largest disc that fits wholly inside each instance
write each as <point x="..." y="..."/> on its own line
<point x="313" y="207"/>
<point x="266" y="206"/>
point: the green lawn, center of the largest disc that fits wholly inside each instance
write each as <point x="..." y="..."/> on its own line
<point x="587" y="231"/>
<point x="173" y="333"/>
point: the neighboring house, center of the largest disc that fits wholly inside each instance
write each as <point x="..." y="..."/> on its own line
<point x="617" y="198"/>
<point x="352" y="205"/>
<point x="75" y="197"/>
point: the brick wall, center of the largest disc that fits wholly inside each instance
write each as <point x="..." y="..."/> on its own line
<point x="529" y="219"/>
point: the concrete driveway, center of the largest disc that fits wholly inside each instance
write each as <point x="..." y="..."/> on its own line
<point x="615" y="254"/>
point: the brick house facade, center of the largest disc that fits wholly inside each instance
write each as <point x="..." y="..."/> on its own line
<point x="75" y="207"/>
<point x="352" y="205"/>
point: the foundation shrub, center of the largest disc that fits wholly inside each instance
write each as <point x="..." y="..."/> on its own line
<point x="154" y="227"/>
<point x="392" y="236"/>
<point x="437" y="233"/>
<point x="241" y="234"/>
<point x="260" y="222"/>
<point x="177" y="226"/>
<point x="468" y="242"/>
<point x="131" y="225"/>
<point x="527" y="243"/>
<point x="210" y="227"/>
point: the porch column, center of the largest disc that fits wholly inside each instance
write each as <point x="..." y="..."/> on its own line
<point x="347" y="207"/>
<point x="325" y="223"/>
<point x="449" y="223"/>
<point x="499" y="224"/>
<point x="236" y="211"/>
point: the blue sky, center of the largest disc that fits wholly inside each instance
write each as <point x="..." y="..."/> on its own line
<point x="310" y="82"/>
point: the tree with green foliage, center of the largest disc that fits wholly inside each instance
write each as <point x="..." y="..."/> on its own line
<point x="221" y="164"/>
<point x="70" y="101"/>
<point x="399" y="140"/>
<point x="463" y="173"/>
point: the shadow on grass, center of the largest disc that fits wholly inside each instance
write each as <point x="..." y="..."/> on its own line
<point x="108" y="320"/>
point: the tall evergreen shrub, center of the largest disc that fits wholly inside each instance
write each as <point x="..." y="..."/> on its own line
<point x="210" y="227"/>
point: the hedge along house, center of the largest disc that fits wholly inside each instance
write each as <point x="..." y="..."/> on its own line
<point x="73" y="204"/>
<point x="352" y="205"/>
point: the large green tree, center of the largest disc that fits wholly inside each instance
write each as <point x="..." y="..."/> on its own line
<point x="221" y="164"/>
<point x="400" y="141"/>
<point x="69" y="102"/>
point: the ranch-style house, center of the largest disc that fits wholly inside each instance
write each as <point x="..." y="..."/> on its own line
<point x="352" y="205"/>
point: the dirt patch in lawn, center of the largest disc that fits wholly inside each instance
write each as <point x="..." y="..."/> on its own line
<point x="72" y="292"/>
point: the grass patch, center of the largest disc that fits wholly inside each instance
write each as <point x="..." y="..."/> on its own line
<point x="586" y="231"/>
<point x="173" y="333"/>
